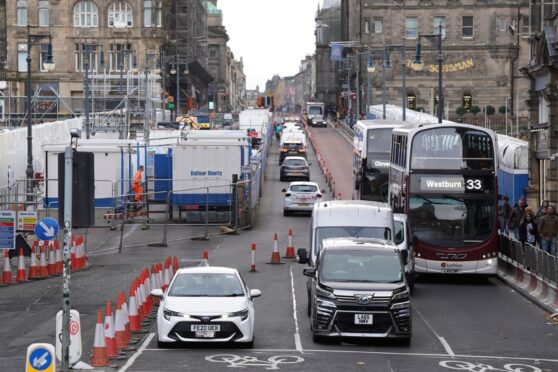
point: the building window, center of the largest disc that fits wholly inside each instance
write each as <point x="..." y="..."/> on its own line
<point x="367" y="26"/>
<point x="21" y="12"/>
<point x="467" y="100"/>
<point x="502" y="24"/>
<point x="115" y="57"/>
<point x="86" y="14"/>
<point x="43" y="52"/>
<point x="437" y="22"/>
<point x="152" y="13"/>
<point x="212" y="53"/>
<point x="525" y="25"/>
<point x="411" y="101"/>
<point x="43" y="13"/>
<point x="410" y="28"/>
<point x="79" y="58"/>
<point x="378" y="25"/>
<point x="22" y="57"/>
<point x="467" y="26"/>
<point x="120" y="15"/>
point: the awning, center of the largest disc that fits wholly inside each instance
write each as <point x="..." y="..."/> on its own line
<point x="197" y="69"/>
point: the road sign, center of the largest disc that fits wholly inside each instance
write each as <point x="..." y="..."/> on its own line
<point x="7" y="229"/>
<point x="75" y="337"/>
<point x="26" y="221"/>
<point x="40" y="358"/>
<point x="46" y="229"/>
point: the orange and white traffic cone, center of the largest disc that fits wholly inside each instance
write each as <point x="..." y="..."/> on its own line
<point x="171" y="269"/>
<point x="154" y="284"/>
<point x="59" y="262"/>
<point x="99" y="357"/>
<point x="139" y="300"/>
<point x="82" y="257"/>
<point x="43" y="268"/>
<point x="205" y="258"/>
<point x="148" y="287"/>
<point x="253" y="254"/>
<point x="290" y="253"/>
<point x="175" y="266"/>
<point x="110" y="338"/>
<point x="122" y="299"/>
<point x="120" y="328"/>
<point x="21" y="275"/>
<point x="160" y="274"/>
<point x="166" y="276"/>
<point x="135" y="321"/>
<point x="7" y="271"/>
<point x="33" y="268"/>
<point x="275" y="256"/>
<point x="51" y="267"/>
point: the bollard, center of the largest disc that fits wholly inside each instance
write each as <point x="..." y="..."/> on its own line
<point x="253" y="253"/>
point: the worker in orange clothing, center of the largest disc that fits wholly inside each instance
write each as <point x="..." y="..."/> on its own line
<point x="136" y="184"/>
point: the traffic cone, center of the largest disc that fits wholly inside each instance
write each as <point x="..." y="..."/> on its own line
<point x="21" y="275"/>
<point x="154" y="277"/>
<point x="205" y="260"/>
<point x="120" y="328"/>
<point x="145" y="294"/>
<point x="110" y="338"/>
<point x="160" y="274"/>
<point x="135" y="321"/>
<point x="171" y="269"/>
<point x="290" y="248"/>
<point x="51" y="267"/>
<point x="148" y="287"/>
<point x="122" y="298"/>
<point x="33" y="269"/>
<point x="82" y="256"/>
<point x="166" y="276"/>
<point x="175" y="266"/>
<point x="139" y="300"/>
<point x="43" y="268"/>
<point x="99" y="357"/>
<point x="275" y="256"/>
<point x="7" y="272"/>
<point x="59" y="262"/>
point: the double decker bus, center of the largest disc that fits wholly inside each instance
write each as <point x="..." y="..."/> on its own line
<point x="371" y="151"/>
<point x="443" y="176"/>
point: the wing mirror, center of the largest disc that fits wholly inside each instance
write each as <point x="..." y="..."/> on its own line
<point x="323" y="191"/>
<point x="157" y="293"/>
<point x="302" y="256"/>
<point x="284" y="190"/>
<point x="309" y="271"/>
<point x="255" y="293"/>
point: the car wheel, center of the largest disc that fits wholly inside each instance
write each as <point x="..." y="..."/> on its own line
<point x="164" y="345"/>
<point x="285" y="212"/>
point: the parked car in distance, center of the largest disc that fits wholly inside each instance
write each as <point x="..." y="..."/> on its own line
<point x="206" y="304"/>
<point x="301" y="196"/>
<point x="358" y="289"/>
<point x="295" y="168"/>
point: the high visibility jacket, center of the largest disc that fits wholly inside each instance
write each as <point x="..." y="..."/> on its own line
<point x="137" y="178"/>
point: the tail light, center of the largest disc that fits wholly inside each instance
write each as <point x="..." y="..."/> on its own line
<point x="284" y="150"/>
<point x="288" y="194"/>
<point x="319" y="195"/>
<point x="301" y="150"/>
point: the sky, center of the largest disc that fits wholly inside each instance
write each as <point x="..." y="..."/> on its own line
<point x="272" y="36"/>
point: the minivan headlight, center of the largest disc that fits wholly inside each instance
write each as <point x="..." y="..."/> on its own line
<point x="322" y="292"/>
<point x="402" y="294"/>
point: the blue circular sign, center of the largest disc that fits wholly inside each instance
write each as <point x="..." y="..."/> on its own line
<point x="46" y="229"/>
<point x="40" y="359"/>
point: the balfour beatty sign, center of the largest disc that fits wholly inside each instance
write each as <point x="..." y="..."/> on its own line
<point x="207" y="173"/>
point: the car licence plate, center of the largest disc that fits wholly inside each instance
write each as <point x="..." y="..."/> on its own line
<point x="364" y="319"/>
<point x="205" y="328"/>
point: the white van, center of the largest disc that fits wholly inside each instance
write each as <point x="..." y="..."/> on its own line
<point x="402" y="238"/>
<point x="349" y="219"/>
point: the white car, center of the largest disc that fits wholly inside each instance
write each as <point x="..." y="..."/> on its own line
<point x="206" y="304"/>
<point x="301" y="196"/>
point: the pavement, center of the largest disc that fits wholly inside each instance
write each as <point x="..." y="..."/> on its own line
<point x="459" y="323"/>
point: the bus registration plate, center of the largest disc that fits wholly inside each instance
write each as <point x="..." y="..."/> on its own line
<point x="364" y="318"/>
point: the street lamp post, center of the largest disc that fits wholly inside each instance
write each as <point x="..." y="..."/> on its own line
<point x="122" y="55"/>
<point x="175" y="70"/>
<point x="48" y="65"/>
<point x="86" y="84"/>
<point x="418" y="63"/>
<point x="369" y="69"/>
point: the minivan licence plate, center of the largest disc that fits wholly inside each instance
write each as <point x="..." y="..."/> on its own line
<point x="364" y="318"/>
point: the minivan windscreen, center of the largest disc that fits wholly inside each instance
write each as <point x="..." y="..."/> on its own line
<point x="361" y="266"/>
<point x="326" y="232"/>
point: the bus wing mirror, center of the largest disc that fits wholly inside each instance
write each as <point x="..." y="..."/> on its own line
<point x="302" y="256"/>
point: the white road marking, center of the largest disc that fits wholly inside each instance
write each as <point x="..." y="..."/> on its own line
<point x="442" y="340"/>
<point x="137" y="353"/>
<point x="298" y="344"/>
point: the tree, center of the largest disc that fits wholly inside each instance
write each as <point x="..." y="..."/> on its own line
<point x="460" y="111"/>
<point x="502" y="109"/>
<point x="490" y="110"/>
<point x="475" y="109"/>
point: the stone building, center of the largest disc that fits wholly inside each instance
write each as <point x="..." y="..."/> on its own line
<point x="238" y="86"/>
<point x="481" y="56"/>
<point x="218" y="60"/>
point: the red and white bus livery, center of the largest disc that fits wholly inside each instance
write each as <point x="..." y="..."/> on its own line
<point x="443" y="176"/>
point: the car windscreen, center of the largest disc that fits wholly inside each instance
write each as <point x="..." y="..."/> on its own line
<point x="294" y="162"/>
<point x="206" y="285"/>
<point x="360" y="266"/>
<point x="399" y="232"/>
<point x="292" y="146"/>
<point x="326" y="232"/>
<point x="304" y="188"/>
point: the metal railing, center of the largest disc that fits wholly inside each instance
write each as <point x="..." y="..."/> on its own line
<point x="530" y="258"/>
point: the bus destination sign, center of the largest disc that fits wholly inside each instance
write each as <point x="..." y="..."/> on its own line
<point x="435" y="184"/>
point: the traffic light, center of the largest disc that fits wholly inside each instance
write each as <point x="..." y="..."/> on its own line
<point x="170" y="102"/>
<point x="190" y="103"/>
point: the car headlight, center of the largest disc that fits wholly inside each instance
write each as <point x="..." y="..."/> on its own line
<point x="243" y="314"/>
<point x="401" y="295"/>
<point x="168" y="313"/>
<point x="322" y="292"/>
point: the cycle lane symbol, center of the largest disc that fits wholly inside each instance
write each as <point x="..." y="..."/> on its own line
<point x="458" y="365"/>
<point x="237" y="361"/>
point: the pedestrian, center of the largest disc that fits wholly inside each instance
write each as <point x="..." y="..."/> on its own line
<point x="516" y="216"/>
<point x="136" y="184"/>
<point x="542" y="209"/>
<point x="504" y="212"/>
<point x="528" y="230"/>
<point x="548" y="228"/>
